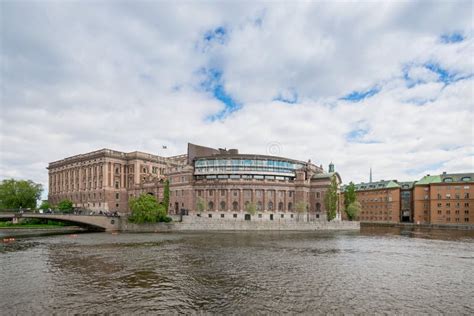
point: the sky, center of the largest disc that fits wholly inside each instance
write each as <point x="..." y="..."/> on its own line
<point x="387" y="86"/>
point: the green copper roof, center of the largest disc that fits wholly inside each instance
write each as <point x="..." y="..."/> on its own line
<point x="447" y="178"/>
<point x="429" y="179"/>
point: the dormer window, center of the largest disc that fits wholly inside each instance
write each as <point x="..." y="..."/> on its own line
<point x="448" y="180"/>
<point x="466" y="179"/>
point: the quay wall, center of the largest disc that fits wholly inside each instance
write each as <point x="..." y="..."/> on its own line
<point x="194" y="223"/>
<point x="413" y="225"/>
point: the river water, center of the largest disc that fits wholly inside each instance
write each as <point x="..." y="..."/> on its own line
<point x="375" y="271"/>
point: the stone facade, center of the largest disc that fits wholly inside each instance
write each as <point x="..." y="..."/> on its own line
<point x="102" y="180"/>
<point x="206" y="180"/>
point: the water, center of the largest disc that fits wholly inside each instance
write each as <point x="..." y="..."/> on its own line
<point x="373" y="271"/>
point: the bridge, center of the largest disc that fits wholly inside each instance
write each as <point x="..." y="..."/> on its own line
<point x="96" y="222"/>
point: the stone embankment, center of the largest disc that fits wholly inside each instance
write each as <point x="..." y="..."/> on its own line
<point x="414" y="225"/>
<point x="194" y="223"/>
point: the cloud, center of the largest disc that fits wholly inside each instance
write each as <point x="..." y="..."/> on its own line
<point x="77" y="78"/>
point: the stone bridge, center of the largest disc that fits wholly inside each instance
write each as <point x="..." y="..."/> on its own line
<point x="98" y="222"/>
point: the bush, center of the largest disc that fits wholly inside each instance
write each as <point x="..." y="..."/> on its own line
<point x="352" y="210"/>
<point x="145" y="209"/>
<point x="65" y="205"/>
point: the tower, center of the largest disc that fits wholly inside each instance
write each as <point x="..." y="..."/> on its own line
<point x="331" y="167"/>
<point x="370" y="180"/>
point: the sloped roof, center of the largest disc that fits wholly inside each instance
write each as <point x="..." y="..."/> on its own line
<point x="446" y="177"/>
<point x="374" y="185"/>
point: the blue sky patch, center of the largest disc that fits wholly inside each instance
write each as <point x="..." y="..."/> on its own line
<point x="213" y="83"/>
<point x="218" y="35"/>
<point x="357" y="96"/>
<point x="442" y="73"/>
<point x="454" y="37"/>
<point x="356" y="135"/>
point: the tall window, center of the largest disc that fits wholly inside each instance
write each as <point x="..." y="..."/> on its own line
<point x="210" y="206"/>
<point x="222" y="206"/>
<point x="235" y="206"/>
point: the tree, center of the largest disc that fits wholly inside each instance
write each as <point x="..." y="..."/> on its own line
<point x="146" y="209"/>
<point x="251" y="208"/>
<point x="200" y="205"/>
<point x="352" y="210"/>
<point x="65" y="206"/>
<point x="330" y="199"/>
<point x="349" y="194"/>
<point x="45" y="206"/>
<point x="166" y="195"/>
<point x="16" y="194"/>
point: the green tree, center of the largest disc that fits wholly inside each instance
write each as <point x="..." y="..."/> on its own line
<point x="251" y="208"/>
<point x="146" y="209"/>
<point x="65" y="205"/>
<point x="45" y="206"/>
<point x="200" y="205"/>
<point x="352" y="210"/>
<point x="330" y="200"/>
<point x="166" y="196"/>
<point x="349" y="194"/>
<point x="16" y="194"/>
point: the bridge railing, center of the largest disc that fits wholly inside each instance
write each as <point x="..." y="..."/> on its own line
<point x="59" y="212"/>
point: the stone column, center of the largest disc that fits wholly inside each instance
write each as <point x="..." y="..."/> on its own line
<point x="285" y="201"/>
<point x="228" y="203"/>
<point x="264" y="200"/>
<point x="216" y="200"/>
<point x="241" y="200"/>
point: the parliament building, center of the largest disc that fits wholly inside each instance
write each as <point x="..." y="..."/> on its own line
<point x="219" y="183"/>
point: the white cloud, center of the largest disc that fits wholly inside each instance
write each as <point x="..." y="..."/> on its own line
<point x="78" y="78"/>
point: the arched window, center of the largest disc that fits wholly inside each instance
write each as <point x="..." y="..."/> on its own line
<point x="318" y="207"/>
<point x="280" y="206"/>
<point x="290" y="207"/>
<point x="210" y="206"/>
<point x="222" y="206"/>
<point x="259" y="206"/>
<point x="270" y="206"/>
<point x="176" y="207"/>
<point x="235" y="206"/>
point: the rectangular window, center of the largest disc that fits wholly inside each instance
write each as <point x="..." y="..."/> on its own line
<point x="235" y="215"/>
<point x="222" y="215"/>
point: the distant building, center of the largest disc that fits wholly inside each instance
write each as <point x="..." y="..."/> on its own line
<point x="224" y="182"/>
<point x="439" y="199"/>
